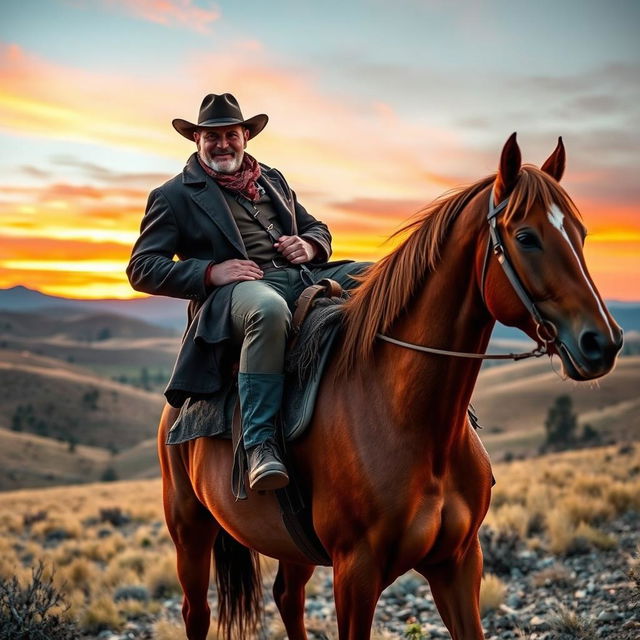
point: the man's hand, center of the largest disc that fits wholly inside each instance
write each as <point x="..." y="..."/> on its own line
<point x="234" y="271"/>
<point x="295" y="249"/>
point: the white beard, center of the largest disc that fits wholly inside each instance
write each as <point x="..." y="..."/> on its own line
<point x="225" y="166"/>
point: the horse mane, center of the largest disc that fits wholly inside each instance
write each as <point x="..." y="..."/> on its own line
<point x="389" y="285"/>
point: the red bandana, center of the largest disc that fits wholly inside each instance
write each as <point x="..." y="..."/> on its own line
<point x="242" y="181"/>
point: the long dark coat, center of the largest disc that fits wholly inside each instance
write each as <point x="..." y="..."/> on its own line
<point x="188" y="217"/>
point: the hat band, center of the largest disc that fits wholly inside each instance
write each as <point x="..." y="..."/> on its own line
<point x="219" y="122"/>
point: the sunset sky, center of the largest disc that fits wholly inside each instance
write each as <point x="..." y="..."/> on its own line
<point x="375" y="108"/>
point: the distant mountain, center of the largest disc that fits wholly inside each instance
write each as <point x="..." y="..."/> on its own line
<point x="158" y="310"/>
<point x="626" y="314"/>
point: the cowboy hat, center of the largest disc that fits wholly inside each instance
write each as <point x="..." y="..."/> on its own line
<point x="220" y="111"/>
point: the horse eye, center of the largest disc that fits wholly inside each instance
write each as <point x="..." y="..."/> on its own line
<point x="528" y="240"/>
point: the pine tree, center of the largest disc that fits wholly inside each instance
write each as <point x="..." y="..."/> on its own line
<point x="561" y="424"/>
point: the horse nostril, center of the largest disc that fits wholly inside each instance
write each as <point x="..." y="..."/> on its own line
<point x="591" y="345"/>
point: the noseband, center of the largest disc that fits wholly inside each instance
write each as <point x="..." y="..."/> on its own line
<point x="546" y="331"/>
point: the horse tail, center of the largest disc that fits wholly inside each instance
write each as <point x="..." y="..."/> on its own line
<point x="239" y="581"/>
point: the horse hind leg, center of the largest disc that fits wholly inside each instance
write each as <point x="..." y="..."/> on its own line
<point x="455" y="586"/>
<point x="193" y="531"/>
<point x="288" y="592"/>
<point x="194" y="563"/>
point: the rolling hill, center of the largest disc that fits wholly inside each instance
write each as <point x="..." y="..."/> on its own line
<point x="65" y="402"/>
<point x="82" y="396"/>
<point x="512" y="403"/>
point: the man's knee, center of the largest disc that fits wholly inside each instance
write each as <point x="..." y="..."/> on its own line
<point x="270" y="314"/>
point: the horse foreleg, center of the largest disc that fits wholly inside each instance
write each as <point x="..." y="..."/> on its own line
<point x="455" y="585"/>
<point x="357" y="588"/>
<point x="288" y="591"/>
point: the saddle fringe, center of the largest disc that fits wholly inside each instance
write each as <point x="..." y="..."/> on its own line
<point x="302" y="360"/>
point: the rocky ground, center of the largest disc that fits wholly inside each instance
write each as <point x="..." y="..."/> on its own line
<point x="586" y="595"/>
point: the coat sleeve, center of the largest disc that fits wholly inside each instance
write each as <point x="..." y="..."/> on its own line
<point x="152" y="268"/>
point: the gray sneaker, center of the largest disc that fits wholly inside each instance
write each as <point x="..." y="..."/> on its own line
<point x="266" y="469"/>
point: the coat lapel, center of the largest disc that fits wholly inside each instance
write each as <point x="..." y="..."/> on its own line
<point x="210" y="199"/>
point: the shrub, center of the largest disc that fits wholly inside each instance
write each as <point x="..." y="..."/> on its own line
<point x="500" y="551"/>
<point x="101" y="615"/>
<point x="162" y="579"/>
<point x="109" y="475"/>
<point x="560" y="529"/>
<point x="586" y="509"/>
<point x="31" y="518"/>
<point x="512" y="518"/>
<point x="134" y="560"/>
<point x="168" y="630"/>
<point x="567" y="623"/>
<point x="492" y="591"/>
<point x="114" y="516"/>
<point x="599" y="539"/>
<point x="132" y="592"/>
<point x="33" y="612"/>
<point x="80" y="574"/>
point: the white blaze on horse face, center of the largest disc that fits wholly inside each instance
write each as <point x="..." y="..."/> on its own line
<point x="556" y="218"/>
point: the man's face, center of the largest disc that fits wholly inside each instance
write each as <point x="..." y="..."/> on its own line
<point x="222" y="148"/>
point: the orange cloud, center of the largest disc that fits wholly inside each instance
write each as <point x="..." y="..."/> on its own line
<point x="26" y="248"/>
<point x="41" y="98"/>
<point x="170" y="13"/>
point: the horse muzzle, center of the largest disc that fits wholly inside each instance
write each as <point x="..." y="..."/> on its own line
<point x="589" y="354"/>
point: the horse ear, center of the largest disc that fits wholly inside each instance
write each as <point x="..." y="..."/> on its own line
<point x="555" y="163"/>
<point x="510" y="162"/>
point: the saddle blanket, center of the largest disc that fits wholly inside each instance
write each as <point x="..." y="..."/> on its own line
<point x="211" y="416"/>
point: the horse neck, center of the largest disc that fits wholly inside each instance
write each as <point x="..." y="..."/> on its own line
<point x="432" y="392"/>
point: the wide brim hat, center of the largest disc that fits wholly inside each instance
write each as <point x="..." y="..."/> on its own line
<point x="220" y="111"/>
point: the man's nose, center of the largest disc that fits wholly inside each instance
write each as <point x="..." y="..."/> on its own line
<point x="223" y="142"/>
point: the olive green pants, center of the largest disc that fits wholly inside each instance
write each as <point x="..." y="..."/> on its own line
<point x="261" y="312"/>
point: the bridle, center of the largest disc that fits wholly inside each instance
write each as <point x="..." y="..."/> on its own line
<point x="546" y="331"/>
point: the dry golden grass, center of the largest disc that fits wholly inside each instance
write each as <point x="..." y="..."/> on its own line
<point x="562" y="500"/>
<point x="492" y="592"/>
<point x="100" y="615"/>
<point x="92" y="558"/>
<point x="104" y="540"/>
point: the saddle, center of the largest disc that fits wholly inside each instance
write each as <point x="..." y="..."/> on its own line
<point x="308" y="353"/>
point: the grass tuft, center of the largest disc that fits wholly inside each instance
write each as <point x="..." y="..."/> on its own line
<point x="567" y="623"/>
<point x="492" y="592"/>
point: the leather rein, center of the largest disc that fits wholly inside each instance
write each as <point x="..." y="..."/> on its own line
<point x="546" y="331"/>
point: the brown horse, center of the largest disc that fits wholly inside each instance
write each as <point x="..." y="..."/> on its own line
<point x="399" y="480"/>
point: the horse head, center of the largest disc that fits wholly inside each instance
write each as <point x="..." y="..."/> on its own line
<point x="539" y="281"/>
